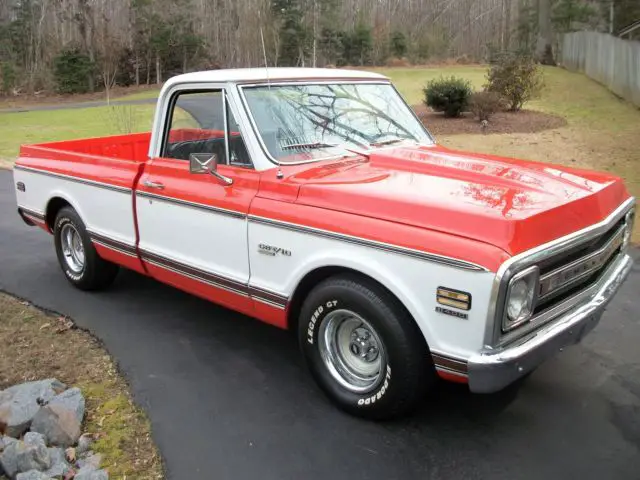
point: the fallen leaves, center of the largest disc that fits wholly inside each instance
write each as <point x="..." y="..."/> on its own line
<point x="70" y="453"/>
<point x="64" y="324"/>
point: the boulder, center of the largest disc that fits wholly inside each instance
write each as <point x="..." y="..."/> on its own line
<point x="60" y="420"/>
<point x="8" y="459"/>
<point x="91" y="460"/>
<point x="84" y="443"/>
<point x="33" y="475"/>
<point x="59" y="465"/>
<point x="32" y="453"/>
<point x="71" y="400"/>
<point x="5" y="442"/>
<point x="90" y="473"/>
<point x="19" y="404"/>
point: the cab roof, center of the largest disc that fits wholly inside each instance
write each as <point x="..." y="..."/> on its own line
<point x="260" y="75"/>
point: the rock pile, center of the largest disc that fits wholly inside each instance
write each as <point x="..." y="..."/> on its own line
<point x="39" y="423"/>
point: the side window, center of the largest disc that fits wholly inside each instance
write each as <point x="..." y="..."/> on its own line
<point x="201" y="122"/>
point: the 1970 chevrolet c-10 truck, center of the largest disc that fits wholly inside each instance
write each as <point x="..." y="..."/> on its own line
<point x="315" y="200"/>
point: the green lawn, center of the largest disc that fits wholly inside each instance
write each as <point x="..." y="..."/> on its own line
<point x="49" y="126"/>
<point x="141" y="95"/>
<point x="411" y="81"/>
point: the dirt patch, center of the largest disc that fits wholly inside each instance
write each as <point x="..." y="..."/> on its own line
<point x="525" y="121"/>
<point x="38" y="345"/>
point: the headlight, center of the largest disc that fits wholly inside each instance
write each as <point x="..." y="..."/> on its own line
<point x="521" y="298"/>
<point x="628" y="220"/>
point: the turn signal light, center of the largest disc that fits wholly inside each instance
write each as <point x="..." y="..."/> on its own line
<point x="453" y="298"/>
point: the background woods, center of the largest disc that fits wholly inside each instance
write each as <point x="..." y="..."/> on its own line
<point x="83" y="45"/>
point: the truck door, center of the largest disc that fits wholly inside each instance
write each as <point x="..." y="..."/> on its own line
<point x="193" y="227"/>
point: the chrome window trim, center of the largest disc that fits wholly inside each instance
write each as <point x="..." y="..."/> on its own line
<point x="256" y="133"/>
<point x="160" y="119"/>
<point x="225" y="120"/>
<point x="492" y="336"/>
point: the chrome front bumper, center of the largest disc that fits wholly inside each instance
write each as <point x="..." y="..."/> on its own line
<point x="494" y="369"/>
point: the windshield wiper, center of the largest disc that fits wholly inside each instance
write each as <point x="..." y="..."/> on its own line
<point x="387" y="142"/>
<point x="310" y="145"/>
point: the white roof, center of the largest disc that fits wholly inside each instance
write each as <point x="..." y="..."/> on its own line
<point x="273" y="74"/>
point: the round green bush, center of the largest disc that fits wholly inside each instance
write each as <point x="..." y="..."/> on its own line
<point x="448" y="95"/>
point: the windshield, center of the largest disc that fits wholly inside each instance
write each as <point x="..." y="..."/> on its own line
<point x="309" y="122"/>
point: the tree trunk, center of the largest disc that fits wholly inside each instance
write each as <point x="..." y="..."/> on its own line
<point x="507" y="24"/>
<point x="158" y="70"/>
<point x="315" y="33"/>
<point x="544" y="48"/>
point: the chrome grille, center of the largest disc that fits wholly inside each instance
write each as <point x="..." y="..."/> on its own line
<point x="564" y="278"/>
<point x="568" y="274"/>
<point x="570" y="268"/>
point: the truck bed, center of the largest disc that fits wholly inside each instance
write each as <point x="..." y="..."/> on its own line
<point x="132" y="147"/>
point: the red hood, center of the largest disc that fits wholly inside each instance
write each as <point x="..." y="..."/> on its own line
<point x="512" y="204"/>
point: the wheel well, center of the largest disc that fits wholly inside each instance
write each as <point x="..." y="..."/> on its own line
<point x="313" y="278"/>
<point x="53" y="207"/>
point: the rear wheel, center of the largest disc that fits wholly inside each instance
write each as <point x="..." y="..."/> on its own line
<point x="77" y="256"/>
<point x="364" y="349"/>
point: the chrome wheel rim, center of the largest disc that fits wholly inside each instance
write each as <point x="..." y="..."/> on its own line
<point x="72" y="248"/>
<point x="352" y="351"/>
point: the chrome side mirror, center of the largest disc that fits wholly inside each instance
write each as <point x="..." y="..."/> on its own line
<point x="203" y="162"/>
<point x="207" y="163"/>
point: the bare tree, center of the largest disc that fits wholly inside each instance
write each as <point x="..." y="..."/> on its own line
<point x="544" y="46"/>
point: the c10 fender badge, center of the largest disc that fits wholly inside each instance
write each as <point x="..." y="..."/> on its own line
<point x="273" y="251"/>
<point x="453" y="313"/>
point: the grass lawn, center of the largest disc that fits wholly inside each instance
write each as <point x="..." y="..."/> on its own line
<point x="48" y="126"/>
<point x="38" y="345"/>
<point x="601" y="132"/>
<point x="153" y="93"/>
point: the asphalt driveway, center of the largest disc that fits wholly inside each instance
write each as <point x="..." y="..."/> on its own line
<point x="228" y="398"/>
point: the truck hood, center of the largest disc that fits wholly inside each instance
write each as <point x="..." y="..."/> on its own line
<point x="512" y="204"/>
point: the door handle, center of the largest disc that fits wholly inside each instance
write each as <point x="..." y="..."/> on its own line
<point x="150" y="184"/>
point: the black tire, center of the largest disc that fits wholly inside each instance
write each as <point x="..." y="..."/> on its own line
<point x="95" y="273"/>
<point x="408" y="372"/>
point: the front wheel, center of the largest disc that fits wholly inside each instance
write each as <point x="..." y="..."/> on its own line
<point x="77" y="256"/>
<point x="364" y="349"/>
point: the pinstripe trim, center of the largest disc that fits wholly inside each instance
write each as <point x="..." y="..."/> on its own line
<point x="32" y="214"/>
<point x="184" y="203"/>
<point x="430" y="257"/>
<point x="216" y="280"/>
<point x="267" y="296"/>
<point x="196" y="273"/>
<point x="117" y="245"/>
<point x="85" y="181"/>
<point x="450" y="364"/>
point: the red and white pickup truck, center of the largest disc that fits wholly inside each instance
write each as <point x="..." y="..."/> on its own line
<point x="315" y="200"/>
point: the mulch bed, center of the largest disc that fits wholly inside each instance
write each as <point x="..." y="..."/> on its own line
<point x="524" y="121"/>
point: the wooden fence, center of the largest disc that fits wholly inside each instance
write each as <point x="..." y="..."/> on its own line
<point x="609" y="60"/>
